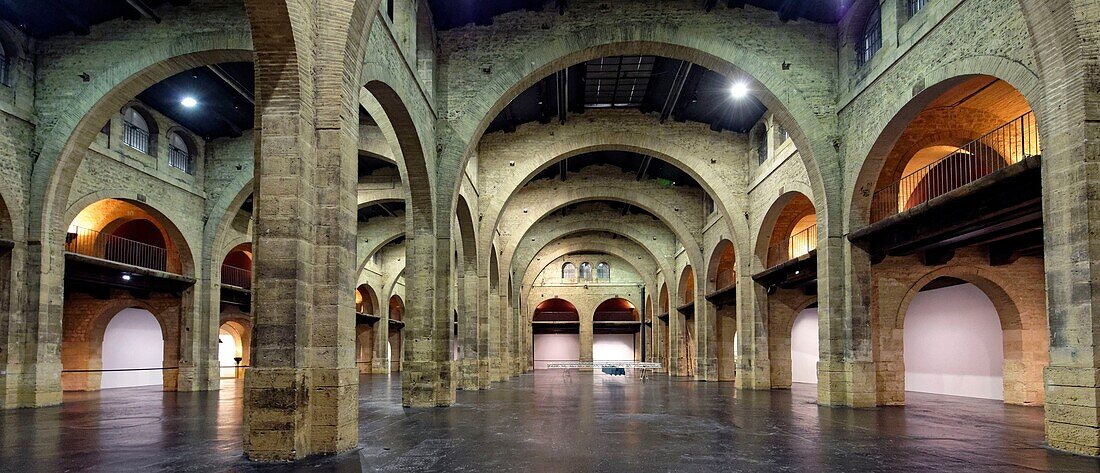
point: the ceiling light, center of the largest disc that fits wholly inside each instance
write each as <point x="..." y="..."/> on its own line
<point x="125" y="277"/>
<point x="189" y="102"/>
<point x="739" y="90"/>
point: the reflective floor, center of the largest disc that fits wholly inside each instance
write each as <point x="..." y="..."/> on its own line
<point x="547" y="422"/>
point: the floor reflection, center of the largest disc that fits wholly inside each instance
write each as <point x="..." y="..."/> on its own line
<point x="547" y="422"/>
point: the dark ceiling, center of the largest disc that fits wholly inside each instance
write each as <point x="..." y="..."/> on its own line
<point x="668" y="88"/>
<point x="382" y="209"/>
<point x="455" y="13"/>
<point x="642" y="166"/>
<point x="45" y="18"/>
<point x="222" y="110"/>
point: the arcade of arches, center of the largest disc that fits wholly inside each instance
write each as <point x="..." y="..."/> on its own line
<point x="867" y="203"/>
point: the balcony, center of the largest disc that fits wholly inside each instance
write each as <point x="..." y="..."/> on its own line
<point x="792" y="263"/>
<point x="988" y="192"/>
<point x="180" y="159"/>
<point x="135" y="137"/>
<point x="97" y="261"/>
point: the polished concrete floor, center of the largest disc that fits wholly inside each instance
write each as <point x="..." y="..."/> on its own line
<point x="547" y="422"/>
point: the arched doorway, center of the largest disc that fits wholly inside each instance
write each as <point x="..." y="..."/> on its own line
<point x="688" y="338"/>
<point x="555" y="325"/>
<point x="396" y="318"/>
<point x="616" y="331"/>
<point x="132" y="350"/>
<point x="722" y="300"/>
<point x="664" y="343"/>
<point x="805" y="351"/>
<point x="122" y="257"/>
<point x="234" y="347"/>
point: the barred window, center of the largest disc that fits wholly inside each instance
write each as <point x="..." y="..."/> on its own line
<point x="569" y="271"/>
<point x="603" y="272"/>
<point x="916" y="6"/>
<point x="870" y="41"/>
<point x="586" y="271"/>
<point x="137" y="131"/>
<point x="179" y="153"/>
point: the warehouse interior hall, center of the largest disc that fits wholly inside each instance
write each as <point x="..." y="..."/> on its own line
<point x="595" y="235"/>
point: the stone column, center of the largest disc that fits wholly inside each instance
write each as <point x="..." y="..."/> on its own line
<point x="476" y="297"/>
<point x="380" y="362"/>
<point x="496" y="332"/>
<point x="753" y="365"/>
<point x="586" y="336"/>
<point x="846" y="369"/>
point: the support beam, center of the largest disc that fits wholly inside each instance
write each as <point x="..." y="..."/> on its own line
<point x="562" y="84"/>
<point x="144" y="9"/>
<point x="232" y="83"/>
<point x="682" y="72"/>
<point x="643" y="168"/>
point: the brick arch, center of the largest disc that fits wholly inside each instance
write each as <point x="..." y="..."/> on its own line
<point x="906" y="108"/>
<point x="782" y="311"/>
<point x="522" y="259"/>
<point x="82" y="342"/>
<point x="467" y="235"/>
<point x="176" y="241"/>
<point x="636" y="196"/>
<point x="531" y="269"/>
<point x="1021" y="311"/>
<point x="777" y="223"/>
<point x="563" y="142"/>
<point x="722" y="266"/>
<point x="679" y="43"/>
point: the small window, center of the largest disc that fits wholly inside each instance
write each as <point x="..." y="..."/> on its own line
<point x="389" y="9"/>
<point x="5" y="67"/>
<point x="603" y="272"/>
<point x="708" y="204"/>
<point x="781" y="135"/>
<point x="136" y="131"/>
<point x="180" y="155"/>
<point x="761" y="144"/>
<point x="569" y="271"/>
<point x="916" y="6"/>
<point x="870" y="39"/>
<point x="586" y="271"/>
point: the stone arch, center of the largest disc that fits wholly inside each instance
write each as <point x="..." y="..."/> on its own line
<point x="241" y="329"/>
<point x="722" y="266"/>
<point x="532" y="269"/>
<point x="467" y="234"/>
<point x="781" y="315"/>
<point x="621" y="39"/>
<point x="665" y="213"/>
<point x="82" y="345"/>
<point x="377" y="244"/>
<point x="564" y="142"/>
<point x="782" y="217"/>
<point x="555" y="309"/>
<point x="616" y="309"/>
<point x="395" y="337"/>
<point x="366" y="300"/>
<point x="1021" y="315"/>
<point x="176" y="241"/>
<point x="907" y="108"/>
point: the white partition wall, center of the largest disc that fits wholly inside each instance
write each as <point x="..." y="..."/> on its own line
<point x="804" y="347"/>
<point x="132" y="340"/>
<point x="613" y="347"/>
<point x="556" y="347"/>
<point x="227" y="350"/>
<point x="953" y="344"/>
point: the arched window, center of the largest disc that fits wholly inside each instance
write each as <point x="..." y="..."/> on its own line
<point x="6" y="58"/>
<point x="137" y="131"/>
<point x="603" y="272"/>
<point x="870" y="38"/>
<point x="916" y="6"/>
<point x="568" y="271"/>
<point x="586" y="271"/>
<point x="180" y="155"/>
<point x="761" y="138"/>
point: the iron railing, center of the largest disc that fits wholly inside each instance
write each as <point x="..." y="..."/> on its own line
<point x="235" y="276"/>
<point x="180" y="159"/>
<point x="135" y="137"/>
<point x="97" y="244"/>
<point x="1006" y="145"/>
<point x="792" y="247"/>
<point x="916" y="6"/>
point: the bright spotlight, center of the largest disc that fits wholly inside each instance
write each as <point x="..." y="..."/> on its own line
<point x="739" y="90"/>
<point x="125" y="277"/>
<point x="189" y="102"/>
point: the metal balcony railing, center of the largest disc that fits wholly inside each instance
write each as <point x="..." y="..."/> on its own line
<point x="135" y="137"/>
<point x="1006" y="145"/>
<point x="235" y="276"/>
<point x="96" y="244"/>
<point x="180" y="159"/>
<point x="790" y="248"/>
